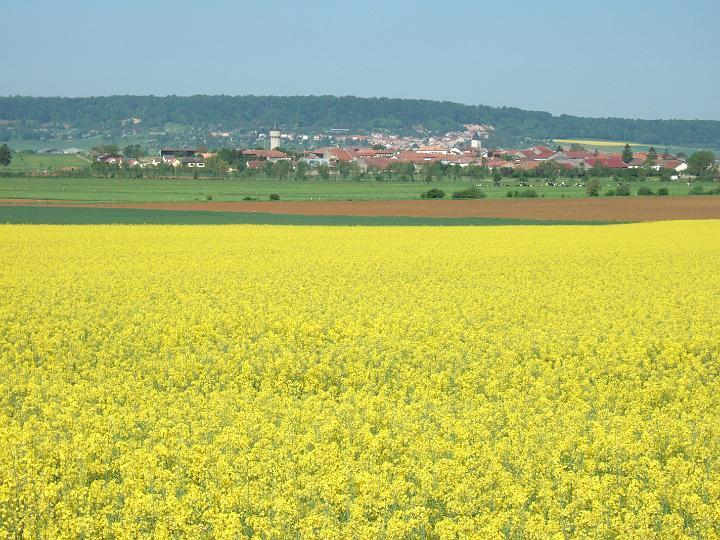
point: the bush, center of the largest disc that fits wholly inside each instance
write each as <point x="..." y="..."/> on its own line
<point x="208" y="197"/>
<point x="622" y="191"/>
<point x="509" y="194"/>
<point x="592" y="188"/>
<point x="433" y="193"/>
<point x="697" y="190"/>
<point x="528" y="193"/>
<point x="644" y="190"/>
<point x="609" y="193"/>
<point x="663" y="191"/>
<point x="469" y="193"/>
<point x="274" y="197"/>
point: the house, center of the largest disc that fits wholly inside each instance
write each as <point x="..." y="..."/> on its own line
<point x="371" y="152"/>
<point x="266" y="155"/>
<point x="675" y="165"/>
<point x="528" y="165"/>
<point x="436" y="149"/>
<point x="112" y="159"/>
<point x="578" y="154"/>
<point x="497" y="163"/>
<point x="410" y="156"/>
<point x="193" y="162"/>
<point x="378" y="163"/>
<point x="612" y="162"/>
<point x="130" y="162"/>
<point x="314" y="161"/>
<point x="150" y="161"/>
<point x="169" y="154"/>
<point x="539" y="153"/>
<point x="334" y="155"/>
<point x="256" y="164"/>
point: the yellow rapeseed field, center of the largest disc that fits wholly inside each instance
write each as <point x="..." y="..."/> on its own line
<point x="286" y="382"/>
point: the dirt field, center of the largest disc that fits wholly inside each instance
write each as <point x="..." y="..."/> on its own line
<point x="605" y="209"/>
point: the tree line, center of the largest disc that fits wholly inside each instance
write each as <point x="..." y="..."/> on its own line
<point x="320" y="113"/>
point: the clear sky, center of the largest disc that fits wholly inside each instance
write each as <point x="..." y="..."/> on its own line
<point x="631" y="58"/>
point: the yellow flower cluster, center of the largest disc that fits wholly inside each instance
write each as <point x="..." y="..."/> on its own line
<point x="330" y="382"/>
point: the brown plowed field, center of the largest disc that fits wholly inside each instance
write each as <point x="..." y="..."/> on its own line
<point x="606" y="209"/>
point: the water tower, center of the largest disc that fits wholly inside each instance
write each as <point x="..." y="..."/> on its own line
<point x="476" y="142"/>
<point x="275" y="135"/>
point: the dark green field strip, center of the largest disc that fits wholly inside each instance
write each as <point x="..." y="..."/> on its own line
<point x="102" y="216"/>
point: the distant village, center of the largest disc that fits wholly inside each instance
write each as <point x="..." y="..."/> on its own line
<point x="380" y="151"/>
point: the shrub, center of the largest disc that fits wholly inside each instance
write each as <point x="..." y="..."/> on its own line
<point x="644" y="190"/>
<point x="592" y="187"/>
<point x="509" y="194"/>
<point x="469" y="193"/>
<point x="697" y="190"/>
<point x="528" y="194"/>
<point x="609" y="193"/>
<point x="274" y="197"/>
<point x="433" y="193"/>
<point x="663" y="191"/>
<point x="249" y="199"/>
<point x="622" y="191"/>
<point x="208" y="197"/>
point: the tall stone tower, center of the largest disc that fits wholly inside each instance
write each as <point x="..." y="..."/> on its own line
<point x="275" y="135"/>
<point x="476" y="142"/>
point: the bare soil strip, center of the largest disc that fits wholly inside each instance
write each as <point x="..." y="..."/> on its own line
<point x="620" y="209"/>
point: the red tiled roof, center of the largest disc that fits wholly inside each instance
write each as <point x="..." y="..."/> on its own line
<point x="609" y="162"/>
<point x="528" y="165"/>
<point x="267" y="154"/>
<point x="410" y="156"/>
<point x="498" y="163"/>
<point x="381" y="163"/>
<point x="579" y="154"/>
<point x="672" y="164"/>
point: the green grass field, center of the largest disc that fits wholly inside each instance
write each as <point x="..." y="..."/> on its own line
<point x="95" y="216"/>
<point x="181" y="190"/>
<point x="44" y="162"/>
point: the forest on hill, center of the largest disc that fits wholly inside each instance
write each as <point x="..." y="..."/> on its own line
<point x="319" y="113"/>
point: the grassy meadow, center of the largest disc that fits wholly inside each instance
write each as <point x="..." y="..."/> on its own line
<point x="44" y="162"/>
<point x="189" y="190"/>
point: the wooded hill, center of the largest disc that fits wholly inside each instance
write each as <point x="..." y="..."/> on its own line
<point x="319" y="113"/>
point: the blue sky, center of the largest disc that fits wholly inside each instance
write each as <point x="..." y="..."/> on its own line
<point x="632" y="58"/>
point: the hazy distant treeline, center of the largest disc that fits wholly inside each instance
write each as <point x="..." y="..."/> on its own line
<point x="319" y="113"/>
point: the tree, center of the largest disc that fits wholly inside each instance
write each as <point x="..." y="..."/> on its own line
<point x="651" y="157"/>
<point x="301" y="170"/>
<point x="5" y="155"/>
<point x="217" y="166"/>
<point x="700" y="162"/>
<point x="469" y="193"/>
<point x="627" y="155"/>
<point x="133" y="151"/>
<point x="112" y="149"/>
<point x="592" y="187"/>
<point x="433" y="193"/>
